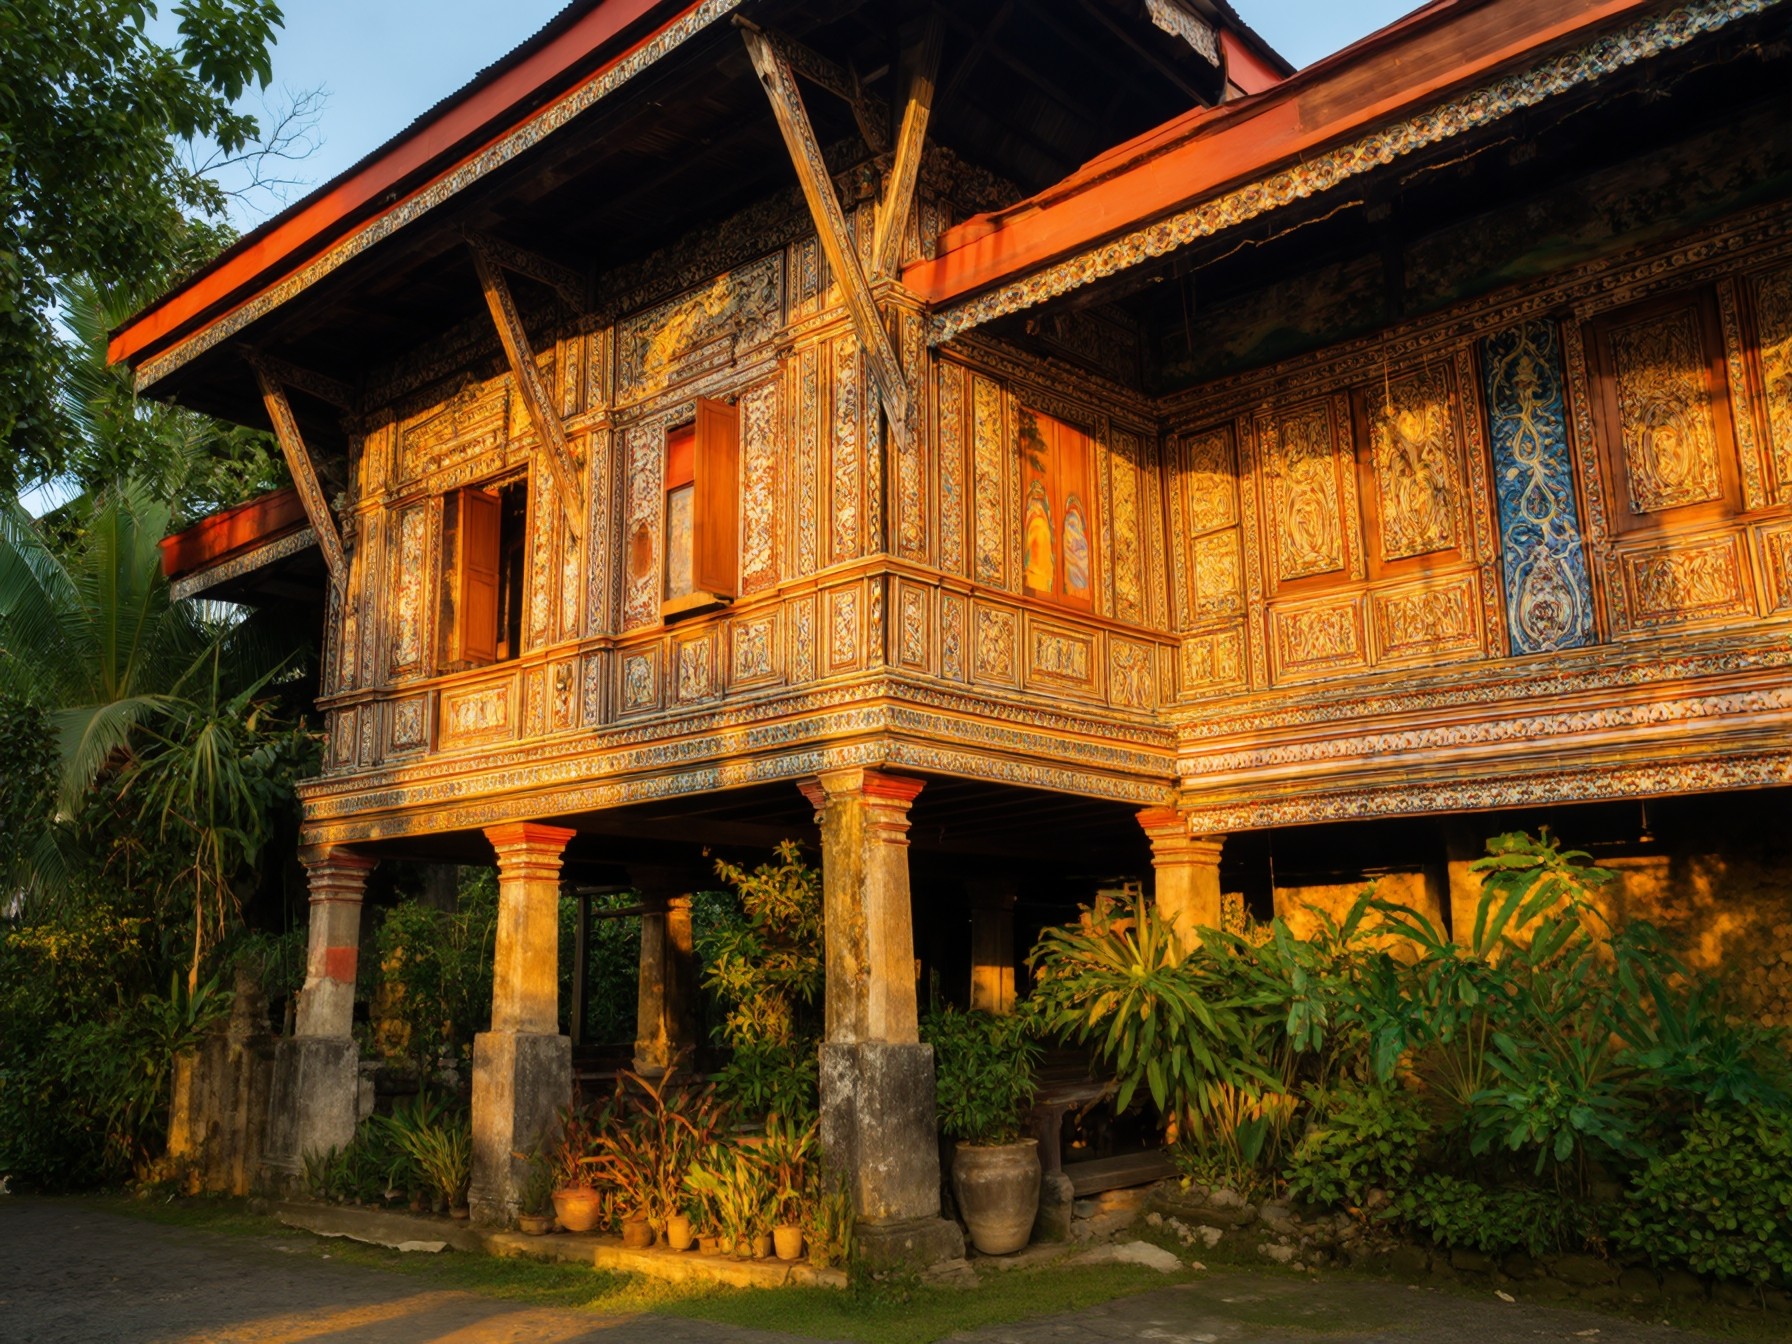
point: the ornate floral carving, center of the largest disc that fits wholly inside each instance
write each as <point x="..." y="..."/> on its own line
<point x="846" y="474"/>
<point x="1212" y="661"/>
<point x="952" y="637"/>
<point x="808" y="456"/>
<point x="1417" y="464"/>
<point x="696" y="671"/>
<point x="1323" y="637"/>
<point x="843" y="628"/>
<point x="543" y="523"/>
<point x="912" y="647"/>
<point x="701" y="330"/>
<point x="1664" y="413"/>
<point x="995" y="644"/>
<point x="1690" y="581"/>
<point x="1123" y="525"/>
<point x="1060" y="655"/>
<point x="991" y="540"/>
<point x="1217" y="574"/>
<point x="645" y="454"/>
<point x="1776" y="549"/>
<point x="1432" y="619"/>
<point x="760" y="486"/>
<point x="753" y="650"/>
<point x="1773" y="320"/>
<point x="802" y="639"/>
<point x="1212" y="479"/>
<point x="411" y="589"/>
<point x="950" y="450"/>
<point x="1549" y="598"/>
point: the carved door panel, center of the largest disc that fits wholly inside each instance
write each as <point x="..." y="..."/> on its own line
<point x="1415" y="501"/>
<point x="1662" y="401"/>
<point x="1311" y="524"/>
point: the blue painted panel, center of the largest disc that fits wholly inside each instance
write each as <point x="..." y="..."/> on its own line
<point x="1549" y="599"/>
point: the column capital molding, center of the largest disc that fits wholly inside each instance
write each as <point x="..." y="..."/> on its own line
<point x="336" y="873"/>
<point x="874" y="786"/>
<point x="522" y="845"/>
<point x="1167" y="828"/>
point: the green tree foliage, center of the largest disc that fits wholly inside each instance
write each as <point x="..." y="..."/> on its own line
<point x="92" y="182"/>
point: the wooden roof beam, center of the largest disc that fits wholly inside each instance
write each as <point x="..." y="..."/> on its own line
<point x="839" y="80"/>
<point x="830" y="224"/>
<point x="899" y="197"/>
<point x="569" y="284"/>
<point x="536" y="398"/>
<point x="304" y="471"/>
<point x="320" y="385"/>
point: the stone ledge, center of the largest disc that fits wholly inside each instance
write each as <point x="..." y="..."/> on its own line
<point x="405" y="1231"/>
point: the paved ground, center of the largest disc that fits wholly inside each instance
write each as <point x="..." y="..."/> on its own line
<point x="74" y="1274"/>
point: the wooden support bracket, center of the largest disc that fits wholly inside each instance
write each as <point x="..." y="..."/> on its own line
<point x="830" y="224"/>
<point x="563" y="280"/>
<point x="537" y="399"/>
<point x="892" y="214"/>
<point x="320" y="385"/>
<point x="836" y="79"/>
<point x="304" y="473"/>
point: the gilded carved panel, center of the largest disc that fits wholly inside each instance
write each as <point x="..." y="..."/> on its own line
<point x="694" y="660"/>
<point x="845" y="636"/>
<point x="1417" y="465"/>
<point x="761" y="481"/>
<point x="407" y="725"/>
<point x="949" y="448"/>
<point x="991" y="542"/>
<point x="952" y="636"/>
<point x="470" y="715"/>
<point x="1212" y="479"/>
<point x="562" y="679"/>
<point x="1125" y="527"/>
<point x="1131" y="684"/>
<point x="1214" y="661"/>
<point x="645" y="454"/>
<point x="700" y="331"/>
<point x="1317" y="638"/>
<point x="912" y="628"/>
<point x="1686" y="582"/>
<point x="1218" y="573"/>
<point x="1773" y="321"/>
<point x="802" y="638"/>
<point x="1431" y="619"/>
<point x="846" y="473"/>
<point x="1059" y="656"/>
<point x="754" y="646"/>
<point x="993" y="645"/>
<point x="808" y="457"/>
<point x="1304" y="497"/>
<point x="544" y="522"/>
<point x="1666" y="430"/>
<point x="1776" y="555"/>
<point x="472" y="422"/>
<point x="411" y="589"/>
<point x="911" y="484"/>
<point x="640" y="672"/>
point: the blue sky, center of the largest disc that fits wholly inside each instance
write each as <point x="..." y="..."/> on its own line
<point x="384" y="61"/>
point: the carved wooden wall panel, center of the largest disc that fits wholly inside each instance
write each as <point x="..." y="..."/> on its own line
<point x="909" y="524"/>
<point x="949" y="453"/>
<point x="413" y="589"/>
<point x="1416" y="466"/>
<point x="1309" y="493"/>
<point x="914" y="625"/>
<point x="1127" y="549"/>
<point x="1061" y="658"/>
<point x="1686" y="582"/>
<point x="754" y="651"/>
<point x="807" y="486"/>
<point x="699" y="332"/>
<point x="761" y="489"/>
<point x="846" y="453"/>
<point x="694" y="678"/>
<point x="989" y="454"/>
<point x="1668" y="435"/>
<point x="844" y="636"/>
<point x="1317" y="638"/>
<point x="644" y="461"/>
<point x="1429" y="620"/>
<point x="407" y="725"/>
<point x="1772" y="298"/>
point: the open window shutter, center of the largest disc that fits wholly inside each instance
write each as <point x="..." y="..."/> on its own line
<point x="715" y="562"/>
<point x="476" y="578"/>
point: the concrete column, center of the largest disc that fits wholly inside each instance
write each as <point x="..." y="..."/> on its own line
<point x="522" y="1067"/>
<point x="1187" y="869"/>
<point x="877" y="1114"/>
<point x="314" y="1100"/>
<point x="992" y="948"/>
<point x="665" y="1004"/>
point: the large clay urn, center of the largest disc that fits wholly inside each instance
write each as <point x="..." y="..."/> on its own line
<point x="998" y="1193"/>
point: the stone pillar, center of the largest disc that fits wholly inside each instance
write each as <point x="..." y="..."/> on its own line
<point x="315" y="1097"/>
<point x="877" y="1115"/>
<point x="522" y="1067"/>
<point x="665" y="1002"/>
<point x="1463" y="847"/>
<point x="1187" y="869"/>
<point x="992" y="948"/>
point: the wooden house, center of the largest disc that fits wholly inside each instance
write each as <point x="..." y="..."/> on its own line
<point x="1019" y="445"/>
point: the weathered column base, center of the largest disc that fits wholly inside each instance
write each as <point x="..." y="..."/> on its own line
<point x="877" y="1125"/>
<point x="313" y="1103"/>
<point x="520" y="1080"/>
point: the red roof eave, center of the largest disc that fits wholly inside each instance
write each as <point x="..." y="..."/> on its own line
<point x="1173" y="166"/>
<point x="232" y="532"/>
<point x="365" y="193"/>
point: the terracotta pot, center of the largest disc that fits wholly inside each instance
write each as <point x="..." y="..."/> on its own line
<point x="459" y="1212"/>
<point x="637" y="1234"/>
<point x="789" y="1241"/>
<point x="762" y="1245"/>
<point x="710" y="1243"/>
<point x="998" y="1193"/>
<point x="578" y="1208"/>
<point x="678" y="1232"/>
<point x="535" y="1224"/>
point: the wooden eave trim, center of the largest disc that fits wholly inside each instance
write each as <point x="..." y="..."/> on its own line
<point x="1245" y="149"/>
<point x="231" y="532"/>
<point x="275" y="264"/>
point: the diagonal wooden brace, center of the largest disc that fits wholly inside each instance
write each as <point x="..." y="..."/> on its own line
<point x="830" y="224"/>
<point x="838" y="80"/>
<point x="563" y="280"/>
<point x="535" y="395"/>
<point x="892" y="213"/>
<point x="304" y="474"/>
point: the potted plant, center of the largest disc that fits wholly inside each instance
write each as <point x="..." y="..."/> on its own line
<point x="680" y="1233"/>
<point x="735" y="1184"/>
<point x="577" y="1203"/>
<point x="983" y="1085"/>
<point x="786" y="1153"/>
<point x="535" y="1217"/>
<point x="641" y="1157"/>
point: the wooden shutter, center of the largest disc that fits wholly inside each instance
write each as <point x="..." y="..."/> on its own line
<point x="715" y="541"/>
<point x="476" y="564"/>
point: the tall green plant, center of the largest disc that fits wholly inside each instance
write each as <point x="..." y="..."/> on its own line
<point x="984" y="1069"/>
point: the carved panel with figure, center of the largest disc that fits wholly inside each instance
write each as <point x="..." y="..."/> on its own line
<point x="1308" y="493"/>
<point x="1414" y="490"/>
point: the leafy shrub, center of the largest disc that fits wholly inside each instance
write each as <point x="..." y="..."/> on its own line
<point x="438" y="1140"/>
<point x="1722" y="1202"/>
<point x="1493" y="1220"/>
<point x="1360" y="1138"/>
<point x="983" y="1071"/>
<point x="435" y="975"/>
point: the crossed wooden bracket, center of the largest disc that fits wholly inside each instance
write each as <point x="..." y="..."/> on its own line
<point x="489" y="260"/>
<point x="771" y="57"/>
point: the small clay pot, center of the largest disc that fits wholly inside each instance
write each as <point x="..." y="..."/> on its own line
<point x="535" y="1224"/>
<point x="578" y="1207"/>
<point x="788" y="1241"/>
<point x="459" y="1212"/>
<point x="679" y="1235"/>
<point x="997" y="1186"/>
<point x="637" y="1234"/>
<point x="762" y="1245"/>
